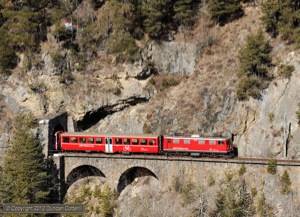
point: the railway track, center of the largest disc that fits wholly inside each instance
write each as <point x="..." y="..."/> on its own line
<point x="236" y="160"/>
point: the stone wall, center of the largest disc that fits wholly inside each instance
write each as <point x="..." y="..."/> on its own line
<point x="47" y="129"/>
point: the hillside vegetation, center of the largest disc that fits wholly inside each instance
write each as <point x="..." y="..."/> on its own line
<point x="124" y="29"/>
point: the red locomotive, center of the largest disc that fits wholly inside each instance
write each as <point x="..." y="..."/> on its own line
<point x="152" y="144"/>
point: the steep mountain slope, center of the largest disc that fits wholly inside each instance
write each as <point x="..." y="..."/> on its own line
<point x="194" y="90"/>
<point x="205" y="100"/>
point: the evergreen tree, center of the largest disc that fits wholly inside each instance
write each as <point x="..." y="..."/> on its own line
<point x="271" y="11"/>
<point x="123" y="15"/>
<point x="232" y="198"/>
<point x="286" y="183"/>
<point x="272" y="166"/>
<point x="183" y="10"/>
<point x="225" y="11"/>
<point x="255" y="57"/>
<point x="255" y="62"/>
<point x="107" y="201"/>
<point x="23" y="21"/>
<point x="156" y="14"/>
<point x="289" y="25"/>
<point x="262" y="207"/>
<point x="8" y="58"/>
<point x="24" y="178"/>
<point x="282" y="17"/>
<point x="123" y="45"/>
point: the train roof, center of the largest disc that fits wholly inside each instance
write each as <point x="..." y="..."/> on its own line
<point x="110" y="134"/>
<point x="215" y="137"/>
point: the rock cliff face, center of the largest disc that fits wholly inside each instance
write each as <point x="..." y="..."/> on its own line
<point x="126" y="98"/>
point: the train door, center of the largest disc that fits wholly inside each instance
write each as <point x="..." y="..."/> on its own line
<point x="108" y="145"/>
<point x="57" y="140"/>
<point x="161" y="143"/>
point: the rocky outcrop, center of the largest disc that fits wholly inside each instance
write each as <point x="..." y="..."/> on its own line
<point x="265" y="135"/>
<point x="176" y="58"/>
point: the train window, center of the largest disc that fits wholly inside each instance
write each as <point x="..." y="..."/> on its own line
<point x="82" y="140"/>
<point x="186" y="141"/>
<point x="135" y="141"/>
<point x="73" y="139"/>
<point x="143" y="141"/>
<point x="118" y="141"/>
<point x="201" y="142"/>
<point x="220" y="142"/>
<point x="99" y="140"/>
<point x="176" y="141"/>
<point x="151" y="142"/>
<point x="212" y="142"/>
<point x="66" y="139"/>
<point x="91" y="140"/>
<point x="126" y="141"/>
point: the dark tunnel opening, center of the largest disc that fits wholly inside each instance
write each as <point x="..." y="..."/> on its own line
<point x="91" y="118"/>
<point x="57" y="128"/>
<point x="128" y="176"/>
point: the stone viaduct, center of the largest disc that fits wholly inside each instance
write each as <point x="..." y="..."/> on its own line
<point x="118" y="171"/>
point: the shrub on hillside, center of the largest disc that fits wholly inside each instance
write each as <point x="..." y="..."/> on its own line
<point x="272" y="166"/>
<point x="286" y="183"/>
<point x="170" y="81"/>
<point x="298" y="114"/>
<point x="232" y="198"/>
<point x="286" y="70"/>
<point x="255" y="62"/>
<point x="225" y="11"/>
<point x="282" y="17"/>
<point x="8" y="58"/>
<point x="263" y="209"/>
<point x="124" y="47"/>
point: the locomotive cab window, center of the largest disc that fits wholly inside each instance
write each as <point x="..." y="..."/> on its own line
<point x="143" y="142"/>
<point x="126" y="141"/>
<point x="98" y="140"/>
<point x="118" y="141"/>
<point x="90" y="140"/>
<point x="73" y="139"/>
<point x="135" y="141"/>
<point x="82" y="140"/>
<point x="220" y="142"/>
<point x="66" y="139"/>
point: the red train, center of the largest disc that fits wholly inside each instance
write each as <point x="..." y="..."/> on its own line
<point x="152" y="144"/>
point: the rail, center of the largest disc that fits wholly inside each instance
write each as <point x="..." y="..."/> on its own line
<point x="236" y="160"/>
